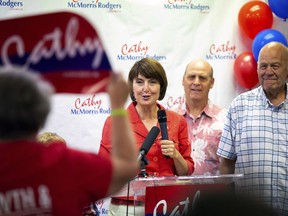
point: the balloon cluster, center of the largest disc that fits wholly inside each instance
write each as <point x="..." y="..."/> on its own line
<point x="255" y="20"/>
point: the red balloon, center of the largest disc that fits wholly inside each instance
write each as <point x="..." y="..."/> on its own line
<point x="253" y="17"/>
<point x="245" y="70"/>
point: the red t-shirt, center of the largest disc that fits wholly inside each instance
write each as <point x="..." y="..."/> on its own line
<point x="53" y="180"/>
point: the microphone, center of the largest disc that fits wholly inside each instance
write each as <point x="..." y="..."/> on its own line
<point x="162" y="119"/>
<point x="149" y="140"/>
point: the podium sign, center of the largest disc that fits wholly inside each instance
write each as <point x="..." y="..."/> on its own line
<point x="175" y="199"/>
<point x="175" y="196"/>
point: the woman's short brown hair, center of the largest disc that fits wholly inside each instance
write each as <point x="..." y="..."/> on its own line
<point x="149" y="68"/>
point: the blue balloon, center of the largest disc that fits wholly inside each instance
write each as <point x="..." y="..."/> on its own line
<point x="264" y="37"/>
<point x="279" y="8"/>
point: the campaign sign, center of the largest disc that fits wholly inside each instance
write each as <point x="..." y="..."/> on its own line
<point x="63" y="47"/>
<point x="175" y="200"/>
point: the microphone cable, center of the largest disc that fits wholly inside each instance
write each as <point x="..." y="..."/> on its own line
<point x="127" y="198"/>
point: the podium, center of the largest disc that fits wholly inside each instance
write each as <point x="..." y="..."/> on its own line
<point x="175" y="195"/>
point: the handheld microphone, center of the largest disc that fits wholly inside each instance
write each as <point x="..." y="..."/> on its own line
<point x="149" y="140"/>
<point x="162" y="119"/>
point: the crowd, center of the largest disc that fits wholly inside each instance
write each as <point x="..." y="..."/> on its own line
<point x="41" y="175"/>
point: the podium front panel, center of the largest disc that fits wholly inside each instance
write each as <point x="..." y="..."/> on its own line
<point x="177" y="195"/>
<point x="176" y="199"/>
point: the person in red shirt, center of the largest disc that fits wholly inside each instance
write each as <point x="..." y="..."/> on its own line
<point x="39" y="179"/>
<point x="148" y="84"/>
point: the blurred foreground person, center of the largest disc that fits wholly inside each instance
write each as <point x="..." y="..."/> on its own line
<point x="228" y="204"/>
<point x="37" y="179"/>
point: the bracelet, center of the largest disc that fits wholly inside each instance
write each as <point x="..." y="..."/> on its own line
<point x="119" y="112"/>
